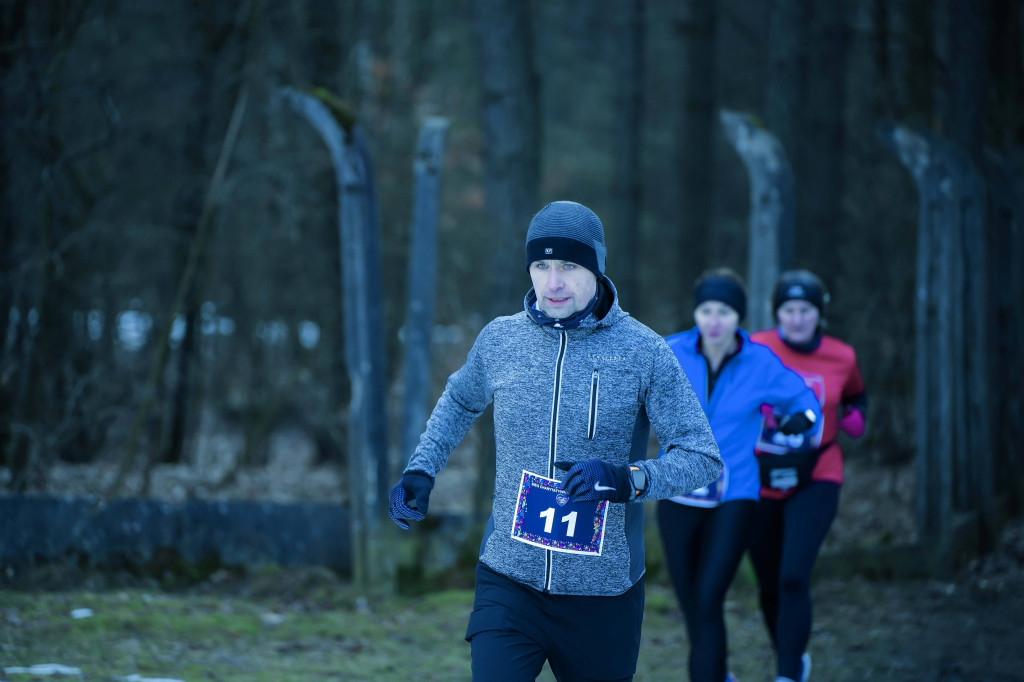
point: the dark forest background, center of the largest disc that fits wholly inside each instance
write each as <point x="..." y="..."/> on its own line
<point x="116" y="239"/>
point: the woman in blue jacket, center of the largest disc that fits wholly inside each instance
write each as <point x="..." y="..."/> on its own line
<point x="706" y="531"/>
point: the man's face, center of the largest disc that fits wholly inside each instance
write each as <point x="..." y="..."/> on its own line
<point x="562" y="287"/>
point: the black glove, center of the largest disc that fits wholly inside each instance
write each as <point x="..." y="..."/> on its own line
<point x="595" y="479"/>
<point x="798" y="422"/>
<point x="415" y="486"/>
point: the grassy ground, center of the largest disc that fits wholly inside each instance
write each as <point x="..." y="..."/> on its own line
<point x="309" y="625"/>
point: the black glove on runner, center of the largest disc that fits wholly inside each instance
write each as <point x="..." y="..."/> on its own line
<point x="798" y="422"/>
<point x="595" y="479"/>
<point x="415" y="486"/>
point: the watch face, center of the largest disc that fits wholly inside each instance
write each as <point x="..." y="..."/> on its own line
<point x="638" y="478"/>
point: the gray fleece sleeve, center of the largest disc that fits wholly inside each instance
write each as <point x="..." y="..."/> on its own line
<point x="691" y="458"/>
<point x="465" y="397"/>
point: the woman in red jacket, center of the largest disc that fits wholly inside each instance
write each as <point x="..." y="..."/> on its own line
<point x="800" y="482"/>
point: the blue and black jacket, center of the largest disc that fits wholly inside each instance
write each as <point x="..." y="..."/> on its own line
<point x="750" y="378"/>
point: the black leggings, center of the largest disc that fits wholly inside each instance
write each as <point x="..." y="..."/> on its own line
<point x="703" y="548"/>
<point x="790" y="536"/>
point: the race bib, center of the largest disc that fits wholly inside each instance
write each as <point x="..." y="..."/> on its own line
<point x="547" y="517"/>
<point x="785" y="472"/>
<point x="708" y="496"/>
<point x="784" y="478"/>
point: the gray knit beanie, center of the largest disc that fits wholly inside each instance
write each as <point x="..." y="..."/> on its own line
<point x="565" y="230"/>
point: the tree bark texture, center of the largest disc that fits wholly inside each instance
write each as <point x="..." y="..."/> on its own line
<point x="627" y="188"/>
<point x="695" y="26"/>
<point x="784" y="89"/>
<point x="819" y="151"/>
<point x="511" y="134"/>
<point x="511" y="142"/>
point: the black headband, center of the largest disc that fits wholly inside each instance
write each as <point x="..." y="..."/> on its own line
<point x="721" y="289"/>
<point x="568" y="249"/>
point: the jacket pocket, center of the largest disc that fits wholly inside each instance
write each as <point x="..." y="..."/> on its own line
<point x="595" y="390"/>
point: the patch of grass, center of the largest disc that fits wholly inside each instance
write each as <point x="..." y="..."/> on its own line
<point x="304" y="624"/>
<point x="196" y="635"/>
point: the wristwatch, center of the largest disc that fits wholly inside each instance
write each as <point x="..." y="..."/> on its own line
<point x="638" y="479"/>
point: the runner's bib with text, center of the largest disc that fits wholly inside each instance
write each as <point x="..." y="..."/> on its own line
<point x="708" y="496"/>
<point x="546" y="516"/>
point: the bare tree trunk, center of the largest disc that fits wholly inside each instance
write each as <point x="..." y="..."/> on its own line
<point x="38" y="383"/>
<point x="511" y="129"/>
<point x="627" y="188"/>
<point x="1007" y="251"/>
<point x="214" y="28"/>
<point x="327" y="41"/>
<point x="905" y="55"/>
<point x="697" y="125"/>
<point x="198" y="249"/>
<point x="11" y="23"/>
<point x="783" y="94"/>
<point x="967" y="66"/>
<point x="818" y="158"/>
<point x="966" y="116"/>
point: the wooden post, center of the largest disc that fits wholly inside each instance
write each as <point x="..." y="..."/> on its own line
<point x="934" y="386"/>
<point x="954" y="451"/>
<point x="360" y="268"/>
<point x="422" y="274"/>
<point x="370" y="329"/>
<point x="772" y="209"/>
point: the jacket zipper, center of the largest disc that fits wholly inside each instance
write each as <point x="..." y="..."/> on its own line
<point x="553" y="440"/>
<point x="595" y="385"/>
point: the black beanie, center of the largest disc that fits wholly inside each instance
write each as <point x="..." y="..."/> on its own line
<point x="724" y="289"/>
<point x="565" y="230"/>
<point x="800" y="285"/>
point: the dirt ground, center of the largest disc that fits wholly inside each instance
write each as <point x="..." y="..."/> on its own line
<point x="964" y="628"/>
<point x="308" y="624"/>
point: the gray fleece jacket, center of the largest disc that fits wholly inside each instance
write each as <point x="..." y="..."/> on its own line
<point x="571" y="395"/>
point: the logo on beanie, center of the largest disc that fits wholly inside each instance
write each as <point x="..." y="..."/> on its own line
<point x="796" y="291"/>
<point x="548" y="251"/>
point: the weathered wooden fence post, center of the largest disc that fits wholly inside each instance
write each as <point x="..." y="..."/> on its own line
<point x="772" y="210"/>
<point x="954" y="451"/>
<point x="364" y="338"/>
<point x="419" y="318"/>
